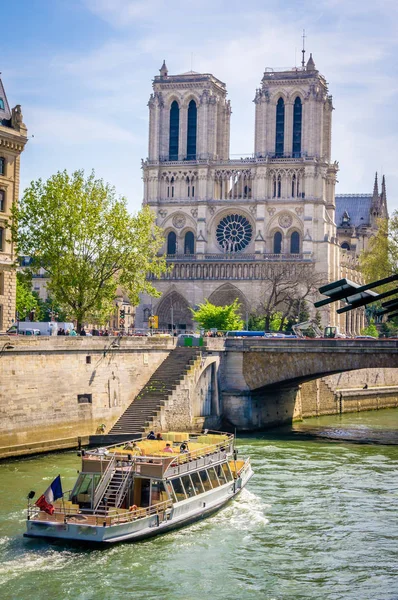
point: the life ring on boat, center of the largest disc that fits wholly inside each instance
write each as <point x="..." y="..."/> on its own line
<point x="133" y="507"/>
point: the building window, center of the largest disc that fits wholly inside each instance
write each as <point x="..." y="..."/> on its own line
<point x="295" y="243"/>
<point x="192" y="126"/>
<point x="297" y="123"/>
<point x="2" y="284"/>
<point x="280" y="128"/>
<point x="2" y="201"/>
<point x="189" y="243"/>
<point x="193" y="191"/>
<point x="1" y="104"/>
<point x="174" y="131"/>
<point x="345" y="245"/>
<point x="278" y="243"/>
<point x="279" y="191"/>
<point x="293" y="186"/>
<point x="234" y="233"/>
<point x="84" y="398"/>
<point x="1" y="239"/>
<point x="171" y="243"/>
<point x="274" y="187"/>
<point x="2" y="165"/>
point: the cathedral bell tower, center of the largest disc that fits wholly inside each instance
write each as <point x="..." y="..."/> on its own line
<point x="189" y="118"/>
<point x="13" y="137"/>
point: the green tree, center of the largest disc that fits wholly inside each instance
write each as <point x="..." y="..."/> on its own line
<point x="224" y="318"/>
<point x="371" y="329"/>
<point x="82" y="234"/>
<point x="26" y="300"/>
<point x="381" y="258"/>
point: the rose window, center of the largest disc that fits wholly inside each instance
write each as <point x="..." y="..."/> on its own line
<point x="234" y="233"/>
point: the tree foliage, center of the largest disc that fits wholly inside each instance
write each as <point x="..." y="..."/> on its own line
<point x="83" y="235"/>
<point x="381" y="258"/>
<point x="224" y="318"/>
<point x="26" y="300"/>
<point x="371" y="329"/>
<point x="286" y="287"/>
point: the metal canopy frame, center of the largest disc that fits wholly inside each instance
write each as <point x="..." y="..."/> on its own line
<point x="358" y="295"/>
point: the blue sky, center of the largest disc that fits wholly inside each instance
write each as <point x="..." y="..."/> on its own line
<point x="82" y="71"/>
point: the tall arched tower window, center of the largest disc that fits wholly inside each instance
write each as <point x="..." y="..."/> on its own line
<point x="297" y="123"/>
<point x="295" y="243"/>
<point x="171" y="243"/>
<point x="174" y="130"/>
<point x="189" y="243"/>
<point x="192" y="126"/>
<point x="279" y="190"/>
<point x="293" y="186"/>
<point x="277" y="242"/>
<point x="280" y="128"/>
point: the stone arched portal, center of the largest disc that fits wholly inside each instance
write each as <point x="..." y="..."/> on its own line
<point x="226" y="294"/>
<point x="174" y="312"/>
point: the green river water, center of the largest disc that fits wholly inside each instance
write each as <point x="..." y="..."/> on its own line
<point x="317" y="521"/>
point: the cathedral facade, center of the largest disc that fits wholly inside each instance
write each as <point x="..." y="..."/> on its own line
<point x="13" y="137"/>
<point x="232" y="225"/>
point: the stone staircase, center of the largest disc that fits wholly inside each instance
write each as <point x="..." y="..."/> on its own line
<point x="138" y="417"/>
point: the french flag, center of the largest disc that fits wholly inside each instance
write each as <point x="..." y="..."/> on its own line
<point x="53" y="492"/>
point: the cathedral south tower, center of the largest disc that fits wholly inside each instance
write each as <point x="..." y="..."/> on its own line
<point x="231" y="224"/>
<point x="13" y="137"/>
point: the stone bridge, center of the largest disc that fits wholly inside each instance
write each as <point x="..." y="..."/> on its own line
<point x="260" y="378"/>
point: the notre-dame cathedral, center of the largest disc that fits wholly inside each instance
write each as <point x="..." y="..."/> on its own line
<point x="228" y="223"/>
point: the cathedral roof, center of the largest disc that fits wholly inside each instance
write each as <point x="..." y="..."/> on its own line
<point x="5" y="113"/>
<point x="357" y="206"/>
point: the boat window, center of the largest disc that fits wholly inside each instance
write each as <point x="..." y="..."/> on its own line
<point x="187" y="483"/>
<point x="145" y="492"/>
<point x="158" y="492"/>
<point x="227" y="472"/>
<point x="220" y="474"/>
<point x="178" y="489"/>
<point x="83" y="489"/>
<point x="197" y="483"/>
<point x="213" y="477"/>
<point x="169" y="487"/>
<point x="205" y="480"/>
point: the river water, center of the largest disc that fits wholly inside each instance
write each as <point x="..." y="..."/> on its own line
<point x="317" y="521"/>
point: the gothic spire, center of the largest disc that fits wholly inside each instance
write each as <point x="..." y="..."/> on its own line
<point x="311" y="64"/>
<point x="383" y="190"/>
<point x="163" y="70"/>
<point x="376" y="189"/>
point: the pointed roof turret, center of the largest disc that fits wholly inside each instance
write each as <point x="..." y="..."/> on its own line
<point x="5" y="112"/>
<point x="376" y="189"/>
<point x="311" y="64"/>
<point x="163" y="70"/>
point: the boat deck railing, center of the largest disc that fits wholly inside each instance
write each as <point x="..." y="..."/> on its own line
<point x="102" y="518"/>
<point x="170" y="463"/>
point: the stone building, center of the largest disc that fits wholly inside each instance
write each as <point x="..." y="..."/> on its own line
<point x="231" y="224"/>
<point x="13" y="137"/>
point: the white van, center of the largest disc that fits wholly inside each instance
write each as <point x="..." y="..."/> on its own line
<point x="47" y="328"/>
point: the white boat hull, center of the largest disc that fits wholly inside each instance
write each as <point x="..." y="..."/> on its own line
<point x="181" y="514"/>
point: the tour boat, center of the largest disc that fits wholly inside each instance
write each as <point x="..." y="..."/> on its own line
<point x="141" y="488"/>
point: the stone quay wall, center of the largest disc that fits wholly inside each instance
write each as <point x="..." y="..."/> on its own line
<point x="56" y="389"/>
